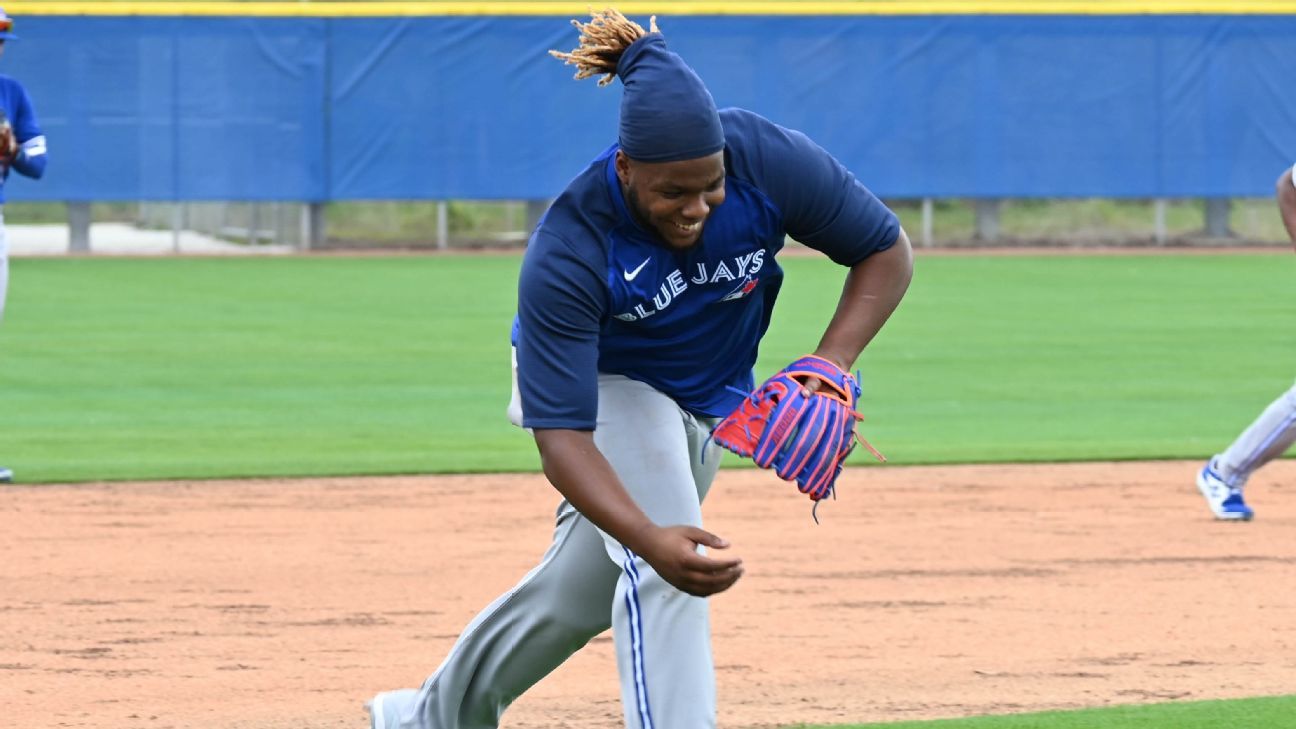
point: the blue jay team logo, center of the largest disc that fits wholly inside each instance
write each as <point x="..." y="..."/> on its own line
<point x="743" y="289"/>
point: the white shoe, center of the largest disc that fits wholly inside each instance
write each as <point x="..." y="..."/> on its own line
<point x="6" y="475"/>
<point x="385" y="709"/>
<point x="1224" y="501"/>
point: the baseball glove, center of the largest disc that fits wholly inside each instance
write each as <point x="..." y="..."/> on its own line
<point x="803" y="434"/>
<point x="8" y="142"/>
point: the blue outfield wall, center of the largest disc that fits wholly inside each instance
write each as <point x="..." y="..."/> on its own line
<point x="317" y="108"/>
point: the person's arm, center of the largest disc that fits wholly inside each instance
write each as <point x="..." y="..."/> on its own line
<point x="561" y="302"/>
<point x="872" y="292"/>
<point x="1287" y="203"/>
<point x="583" y="476"/>
<point x="29" y="160"/>
<point x="825" y="207"/>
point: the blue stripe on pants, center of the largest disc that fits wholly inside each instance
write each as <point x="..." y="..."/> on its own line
<point x="636" y="641"/>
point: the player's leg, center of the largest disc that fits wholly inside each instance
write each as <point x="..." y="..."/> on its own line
<point x="517" y="640"/>
<point x="4" y="267"/>
<point x="1272" y="433"/>
<point x="1264" y="440"/>
<point x="662" y="635"/>
<point x="520" y="637"/>
<point x="572" y="595"/>
<point x="6" y="475"/>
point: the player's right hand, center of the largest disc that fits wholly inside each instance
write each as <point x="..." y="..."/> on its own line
<point x="672" y="552"/>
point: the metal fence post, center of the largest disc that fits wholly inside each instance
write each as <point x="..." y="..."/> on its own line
<point x="177" y="224"/>
<point x="987" y="219"/>
<point x="535" y="209"/>
<point x="1217" y="217"/>
<point x="928" y="213"/>
<point x="312" y="222"/>
<point x="78" y="227"/>
<point x="443" y="225"/>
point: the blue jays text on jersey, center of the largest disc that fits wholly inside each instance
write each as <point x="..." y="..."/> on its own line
<point x="743" y="268"/>
<point x="600" y="293"/>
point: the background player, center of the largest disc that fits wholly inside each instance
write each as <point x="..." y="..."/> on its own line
<point x="1222" y="478"/>
<point x="22" y="148"/>
<point x="643" y="295"/>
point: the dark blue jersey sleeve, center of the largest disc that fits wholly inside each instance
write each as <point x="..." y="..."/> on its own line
<point x="30" y="160"/>
<point x="822" y="203"/>
<point x="562" y="298"/>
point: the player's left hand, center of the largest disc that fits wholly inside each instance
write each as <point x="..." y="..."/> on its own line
<point x="800" y="422"/>
<point x="8" y="142"/>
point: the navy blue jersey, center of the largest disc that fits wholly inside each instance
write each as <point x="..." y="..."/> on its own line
<point x="17" y="107"/>
<point x="599" y="293"/>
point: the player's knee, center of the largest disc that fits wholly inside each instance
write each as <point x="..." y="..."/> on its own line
<point x="584" y="624"/>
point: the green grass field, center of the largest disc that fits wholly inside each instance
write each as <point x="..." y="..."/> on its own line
<point x="160" y="368"/>
<point x="1263" y="713"/>
<point x="197" y="368"/>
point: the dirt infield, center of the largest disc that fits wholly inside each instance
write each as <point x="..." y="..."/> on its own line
<point x="926" y="592"/>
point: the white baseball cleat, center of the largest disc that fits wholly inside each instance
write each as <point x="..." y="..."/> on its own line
<point x="6" y="475"/>
<point x="1224" y="501"/>
<point x="385" y="708"/>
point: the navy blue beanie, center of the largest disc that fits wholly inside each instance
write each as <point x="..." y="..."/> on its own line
<point x="667" y="114"/>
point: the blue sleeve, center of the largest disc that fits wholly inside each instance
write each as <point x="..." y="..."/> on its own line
<point x="823" y="205"/>
<point x="30" y="160"/>
<point x="561" y="303"/>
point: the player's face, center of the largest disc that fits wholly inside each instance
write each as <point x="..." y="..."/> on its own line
<point x="674" y="199"/>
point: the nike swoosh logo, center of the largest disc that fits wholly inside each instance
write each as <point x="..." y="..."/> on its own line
<point x="630" y="275"/>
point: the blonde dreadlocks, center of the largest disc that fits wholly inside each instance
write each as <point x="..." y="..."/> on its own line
<point x="602" y="42"/>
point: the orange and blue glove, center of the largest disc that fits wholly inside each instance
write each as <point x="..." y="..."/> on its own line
<point x="802" y="431"/>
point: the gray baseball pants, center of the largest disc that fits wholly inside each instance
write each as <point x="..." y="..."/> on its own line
<point x="4" y="266"/>
<point x="587" y="582"/>
<point x="1272" y="433"/>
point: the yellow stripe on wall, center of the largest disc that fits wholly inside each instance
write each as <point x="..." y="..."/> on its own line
<point x="667" y="8"/>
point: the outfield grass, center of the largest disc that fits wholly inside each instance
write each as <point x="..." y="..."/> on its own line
<point x="145" y="369"/>
<point x="115" y="369"/>
<point x="1263" y="713"/>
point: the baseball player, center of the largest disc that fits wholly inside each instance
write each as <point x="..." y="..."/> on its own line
<point x="1222" y="478"/>
<point x="22" y="148"/>
<point x="643" y="295"/>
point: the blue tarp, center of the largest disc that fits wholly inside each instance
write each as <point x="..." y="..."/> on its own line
<point x="194" y="108"/>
